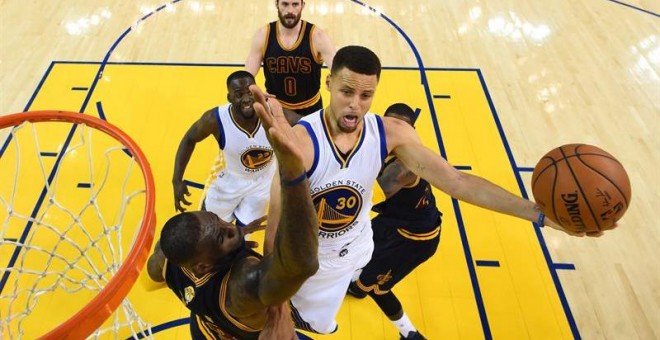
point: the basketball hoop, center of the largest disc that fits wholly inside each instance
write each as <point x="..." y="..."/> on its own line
<point x="67" y="245"/>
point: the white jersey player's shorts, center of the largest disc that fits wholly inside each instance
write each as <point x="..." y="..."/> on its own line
<point x="318" y="300"/>
<point x="235" y="197"/>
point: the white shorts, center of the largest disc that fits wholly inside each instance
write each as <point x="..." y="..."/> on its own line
<point x="317" y="302"/>
<point x="235" y="197"/>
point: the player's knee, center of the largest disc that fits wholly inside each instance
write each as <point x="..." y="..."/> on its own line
<point x="388" y="303"/>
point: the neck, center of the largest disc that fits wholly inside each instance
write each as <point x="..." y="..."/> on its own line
<point x="293" y="30"/>
<point x="246" y="123"/>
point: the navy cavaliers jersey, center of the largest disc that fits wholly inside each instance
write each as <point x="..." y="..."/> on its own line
<point x="414" y="204"/>
<point x="247" y="154"/>
<point x="342" y="185"/>
<point x="293" y="74"/>
<point x="205" y="297"/>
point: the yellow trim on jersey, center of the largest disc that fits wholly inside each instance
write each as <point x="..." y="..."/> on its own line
<point x="311" y="47"/>
<point x="300" y="36"/>
<point x="221" y="302"/>
<point x="202" y="327"/>
<point x="198" y="281"/>
<point x="419" y="237"/>
<point x="302" y="105"/>
<point x="413" y="184"/>
<point x="249" y="134"/>
<point x="264" y="46"/>
<point x="344" y="161"/>
<point x="375" y="288"/>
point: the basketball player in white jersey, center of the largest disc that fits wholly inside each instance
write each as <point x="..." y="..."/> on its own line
<point x="343" y="149"/>
<point x="241" y="190"/>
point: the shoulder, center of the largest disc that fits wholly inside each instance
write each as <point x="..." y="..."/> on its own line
<point x="242" y="296"/>
<point x="398" y="133"/>
<point x="260" y="35"/>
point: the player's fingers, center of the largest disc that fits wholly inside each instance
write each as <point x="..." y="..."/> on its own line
<point x="185" y="201"/>
<point x="252" y="244"/>
<point x="595" y="234"/>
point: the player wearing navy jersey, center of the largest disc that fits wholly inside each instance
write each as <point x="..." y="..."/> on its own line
<point x="292" y="52"/>
<point x="207" y="263"/>
<point x="333" y="148"/>
<point x="406" y="233"/>
<point x="241" y="190"/>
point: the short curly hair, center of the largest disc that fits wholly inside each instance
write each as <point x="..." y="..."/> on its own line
<point x="180" y="237"/>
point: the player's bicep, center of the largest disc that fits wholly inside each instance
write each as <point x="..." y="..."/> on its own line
<point x="257" y="49"/>
<point x="205" y="126"/>
<point x="325" y="47"/>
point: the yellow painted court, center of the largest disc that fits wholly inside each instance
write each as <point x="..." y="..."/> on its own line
<point x="497" y="84"/>
<point x="489" y="276"/>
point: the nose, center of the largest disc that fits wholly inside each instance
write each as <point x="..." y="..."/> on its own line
<point x="354" y="103"/>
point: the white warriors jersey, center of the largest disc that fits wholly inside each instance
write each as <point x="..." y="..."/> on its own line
<point x="342" y="185"/>
<point x="247" y="153"/>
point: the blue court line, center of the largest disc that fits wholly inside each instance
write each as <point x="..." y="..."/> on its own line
<point x="102" y="115"/>
<point x="563" y="266"/>
<point x="186" y="321"/>
<point x="65" y="145"/>
<point x="157" y="63"/>
<point x="48" y="154"/>
<point x="417" y="112"/>
<point x="99" y="109"/>
<point x="84" y="185"/>
<point x="487" y="263"/>
<point x="193" y="184"/>
<point x="537" y="229"/>
<point x="441" y="96"/>
<point x="459" y="219"/>
<point x="463" y="167"/>
<point x="30" y="101"/>
<point x="525" y="169"/>
<point x="635" y="8"/>
<point x="79" y="88"/>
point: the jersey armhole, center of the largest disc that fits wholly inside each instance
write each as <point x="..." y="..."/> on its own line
<point x="315" y="53"/>
<point x="221" y="129"/>
<point x="383" y="140"/>
<point x="264" y="46"/>
<point x="315" y="142"/>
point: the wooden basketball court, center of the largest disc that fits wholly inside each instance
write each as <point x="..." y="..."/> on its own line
<point x="498" y="84"/>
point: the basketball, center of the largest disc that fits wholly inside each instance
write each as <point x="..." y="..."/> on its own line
<point x="581" y="187"/>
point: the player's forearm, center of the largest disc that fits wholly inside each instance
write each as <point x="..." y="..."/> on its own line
<point x="296" y="241"/>
<point x="183" y="155"/>
<point x="252" y="64"/>
<point x="485" y="194"/>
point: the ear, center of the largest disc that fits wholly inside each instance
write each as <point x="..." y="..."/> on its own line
<point x="229" y="100"/>
<point x="327" y="82"/>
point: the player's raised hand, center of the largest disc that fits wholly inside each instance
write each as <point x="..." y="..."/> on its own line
<point x="554" y="225"/>
<point x="280" y="134"/>
<point x="256" y="225"/>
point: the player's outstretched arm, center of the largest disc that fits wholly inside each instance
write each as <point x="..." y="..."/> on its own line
<point x="294" y="255"/>
<point x="404" y="142"/>
<point x="201" y="129"/>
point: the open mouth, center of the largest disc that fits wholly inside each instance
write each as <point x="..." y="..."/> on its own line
<point x="350" y="121"/>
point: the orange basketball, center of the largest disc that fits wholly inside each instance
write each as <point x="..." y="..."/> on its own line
<point x="581" y="187"/>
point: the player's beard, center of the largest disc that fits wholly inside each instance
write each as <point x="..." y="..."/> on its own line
<point x="283" y="20"/>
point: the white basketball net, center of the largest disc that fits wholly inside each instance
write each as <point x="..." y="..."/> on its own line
<point x="58" y="252"/>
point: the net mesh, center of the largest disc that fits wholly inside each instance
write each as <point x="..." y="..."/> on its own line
<point x="71" y="215"/>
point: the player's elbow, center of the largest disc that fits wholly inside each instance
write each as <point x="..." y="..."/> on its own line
<point x="309" y="266"/>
